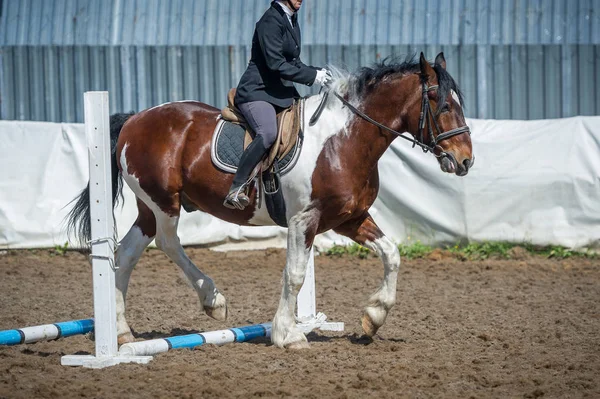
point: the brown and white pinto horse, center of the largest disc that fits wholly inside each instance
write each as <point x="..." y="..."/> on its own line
<point x="163" y="154"/>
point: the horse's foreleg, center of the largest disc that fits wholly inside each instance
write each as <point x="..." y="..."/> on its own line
<point x="301" y="233"/>
<point x="128" y="253"/>
<point x="212" y="301"/>
<point x="365" y="232"/>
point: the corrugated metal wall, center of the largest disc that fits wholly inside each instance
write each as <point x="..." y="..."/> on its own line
<point x="516" y="59"/>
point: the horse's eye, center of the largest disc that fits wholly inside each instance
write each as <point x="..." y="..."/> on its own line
<point x="445" y="108"/>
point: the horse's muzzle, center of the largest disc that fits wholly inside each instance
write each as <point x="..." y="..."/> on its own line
<point x="450" y="165"/>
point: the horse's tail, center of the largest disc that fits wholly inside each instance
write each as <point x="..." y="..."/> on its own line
<point x="78" y="220"/>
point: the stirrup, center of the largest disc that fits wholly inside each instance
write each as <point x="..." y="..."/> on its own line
<point x="236" y="199"/>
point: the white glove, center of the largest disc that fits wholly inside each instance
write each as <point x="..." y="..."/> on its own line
<point x="323" y="77"/>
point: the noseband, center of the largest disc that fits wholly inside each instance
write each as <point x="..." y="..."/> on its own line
<point x="426" y="113"/>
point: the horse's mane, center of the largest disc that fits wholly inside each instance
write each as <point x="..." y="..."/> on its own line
<point x="363" y="81"/>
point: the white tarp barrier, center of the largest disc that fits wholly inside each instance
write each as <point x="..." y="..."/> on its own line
<point x="533" y="181"/>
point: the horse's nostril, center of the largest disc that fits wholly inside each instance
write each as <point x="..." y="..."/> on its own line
<point x="467" y="163"/>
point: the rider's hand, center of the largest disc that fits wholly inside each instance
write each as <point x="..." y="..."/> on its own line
<point x="323" y="77"/>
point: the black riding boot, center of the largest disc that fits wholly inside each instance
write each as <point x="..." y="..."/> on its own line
<point x="237" y="198"/>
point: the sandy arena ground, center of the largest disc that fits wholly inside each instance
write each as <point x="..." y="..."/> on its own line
<point x="526" y="327"/>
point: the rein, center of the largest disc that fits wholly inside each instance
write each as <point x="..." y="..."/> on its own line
<point x="426" y="112"/>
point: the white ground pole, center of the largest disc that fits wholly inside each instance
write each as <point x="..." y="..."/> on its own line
<point x="307" y="317"/>
<point x="103" y="245"/>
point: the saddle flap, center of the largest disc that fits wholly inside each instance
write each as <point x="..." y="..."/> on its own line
<point x="288" y="128"/>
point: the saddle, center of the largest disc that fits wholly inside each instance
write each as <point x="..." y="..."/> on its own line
<point x="288" y="129"/>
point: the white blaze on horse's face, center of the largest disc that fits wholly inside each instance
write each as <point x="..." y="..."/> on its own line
<point x="455" y="97"/>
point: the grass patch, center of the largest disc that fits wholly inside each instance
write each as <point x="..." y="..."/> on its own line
<point x="415" y="250"/>
<point x="472" y="251"/>
<point x="352" y="250"/>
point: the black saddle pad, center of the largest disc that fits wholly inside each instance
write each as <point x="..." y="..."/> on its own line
<point x="228" y="145"/>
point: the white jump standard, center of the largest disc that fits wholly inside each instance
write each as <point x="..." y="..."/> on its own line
<point x="46" y="332"/>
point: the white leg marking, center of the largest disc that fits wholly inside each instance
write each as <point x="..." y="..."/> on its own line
<point x="128" y="253"/>
<point x="211" y="300"/>
<point x="284" y="332"/>
<point x="384" y="298"/>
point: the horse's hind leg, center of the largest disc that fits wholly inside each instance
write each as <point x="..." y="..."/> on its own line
<point x="128" y="253"/>
<point x="212" y="301"/>
<point x="365" y="232"/>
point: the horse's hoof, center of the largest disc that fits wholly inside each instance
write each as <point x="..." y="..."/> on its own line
<point x="298" y="345"/>
<point x="218" y="313"/>
<point x="125" y="338"/>
<point x="368" y="327"/>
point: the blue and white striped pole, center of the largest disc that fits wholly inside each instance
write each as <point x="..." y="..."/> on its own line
<point x="221" y="337"/>
<point x="46" y="332"/>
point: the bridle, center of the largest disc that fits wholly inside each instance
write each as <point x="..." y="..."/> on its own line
<point x="426" y="114"/>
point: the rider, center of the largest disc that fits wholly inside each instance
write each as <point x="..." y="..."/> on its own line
<point x="267" y="87"/>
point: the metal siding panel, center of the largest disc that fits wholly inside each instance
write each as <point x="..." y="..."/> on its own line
<point x="144" y="18"/>
<point x="469" y="77"/>
<point x="159" y="75"/>
<point x="408" y="12"/>
<point x="175" y="74"/>
<point x="81" y="78"/>
<point x="584" y="23"/>
<point x="483" y="31"/>
<point x="534" y="22"/>
<point x="572" y="28"/>
<point x="67" y="87"/>
<point x="535" y="82"/>
<point x="597" y="68"/>
<point x="114" y="82"/>
<point x="395" y="22"/>
<point x="569" y="101"/>
<point x="502" y="95"/>
<point x="520" y="22"/>
<point x="97" y="76"/>
<point x="207" y="74"/>
<point x="105" y="22"/>
<point x="81" y="21"/>
<point x="3" y="22"/>
<point x="483" y="77"/>
<point x="175" y="22"/>
<point x="595" y="22"/>
<point x="191" y="83"/>
<point x="129" y="87"/>
<point x="586" y="80"/>
<point x="508" y="24"/>
<point x="551" y="69"/>
<point x="161" y="30"/>
<point x="420" y="23"/>
<point x="210" y="23"/>
<point x="36" y="83"/>
<point x="52" y="84"/>
<point x="470" y="22"/>
<point x="117" y="22"/>
<point x="558" y="30"/>
<point x="143" y="73"/>
<point x="7" y="94"/>
<point x="545" y="26"/>
<point x="34" y="22"/>
<point x="518" y="62"/>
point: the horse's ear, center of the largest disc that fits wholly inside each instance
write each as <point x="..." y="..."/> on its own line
<point x="440" y="60"/>
<point x="426" y="69"/>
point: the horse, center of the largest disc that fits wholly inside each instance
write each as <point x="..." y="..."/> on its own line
<point x="163" y="155"/>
